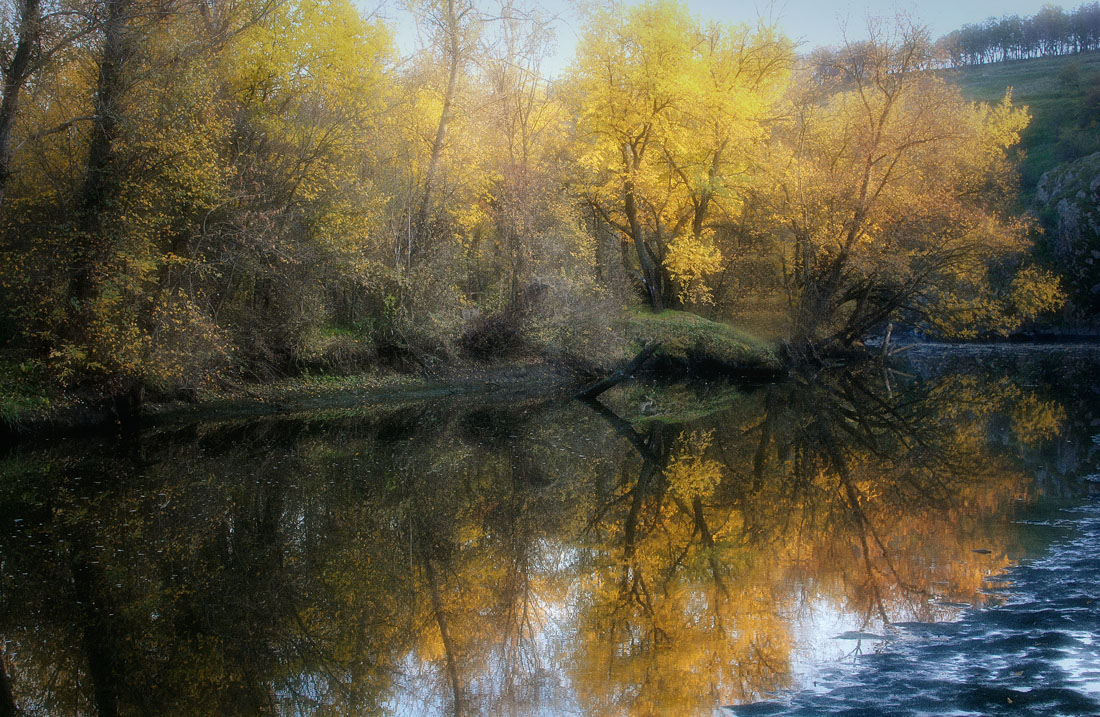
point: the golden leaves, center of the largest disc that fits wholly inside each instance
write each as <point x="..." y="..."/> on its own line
<point x="689" y="261"/>
<point x="893" y="186"/>
<point x="670" y="112"/>
<point x="689" y="472"/>
<point x="1035" y="291"/>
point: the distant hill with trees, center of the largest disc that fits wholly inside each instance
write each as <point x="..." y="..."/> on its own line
<point x="1052" y="31"/>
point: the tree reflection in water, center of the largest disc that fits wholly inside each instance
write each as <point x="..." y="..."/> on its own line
<point x="535" y="557"/>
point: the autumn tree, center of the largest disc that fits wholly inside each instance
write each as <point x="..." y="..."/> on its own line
<point x="889" y="196"/>
<point x="34" y="32"/>
<point x="297" y="247"/>
<point x="505" y="264"/>
<point x="216" y="152"/>
<point x="667" y="110"/>
<point x="527" y="127"/>
<point x="712" y="161"/>
<point x="454" y="26"/>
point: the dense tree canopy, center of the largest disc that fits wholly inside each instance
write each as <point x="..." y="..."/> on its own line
<point x="668" y="113"/>
<point x="192" y="194"/>
<point x="888" y="192"/>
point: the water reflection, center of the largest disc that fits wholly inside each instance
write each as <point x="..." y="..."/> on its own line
<point x="532" y="558"/>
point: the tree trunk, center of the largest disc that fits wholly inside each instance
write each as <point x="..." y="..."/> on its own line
<point x="620" y="375"/>
<point x="96" y="621"/>
<point x="453" y="50"/>
<point x="449" y="650"/>
<point x="101" y="177"/>
<point x="651" y="273"/>
<point x="15" y="75"/>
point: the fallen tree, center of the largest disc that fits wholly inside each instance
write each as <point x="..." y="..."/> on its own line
<point x="620" y="374"/>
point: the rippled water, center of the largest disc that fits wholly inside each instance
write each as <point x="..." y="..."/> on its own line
<point x="1036" y="653"/>
<point x="919" y="540"/>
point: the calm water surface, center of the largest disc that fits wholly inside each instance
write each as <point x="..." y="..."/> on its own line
<point x="915" y="541"/>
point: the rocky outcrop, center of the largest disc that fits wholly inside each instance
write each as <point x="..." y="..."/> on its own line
<point x="1068" y="201"/>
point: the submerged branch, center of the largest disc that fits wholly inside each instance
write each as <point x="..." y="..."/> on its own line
<point x="620" y="374"/>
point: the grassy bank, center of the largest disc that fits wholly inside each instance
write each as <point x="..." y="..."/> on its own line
<point x="1056" y="90"/>
<point x="25" y="392"/>
<point x="691" y="340"/>
<point x="310" y="393"/>
<point x="688" y="342"/>
<point x="29" y="410"/>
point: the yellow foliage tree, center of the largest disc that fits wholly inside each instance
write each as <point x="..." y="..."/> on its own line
<point x="889" y="194"/>
<point x="669" y="111"/>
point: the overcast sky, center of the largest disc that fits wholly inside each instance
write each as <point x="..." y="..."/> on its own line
<point x="813" y="22"/>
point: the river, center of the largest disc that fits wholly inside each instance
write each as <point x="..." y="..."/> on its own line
<point x="913" y="540"/>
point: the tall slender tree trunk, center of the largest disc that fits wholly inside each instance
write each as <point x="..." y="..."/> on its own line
<point x="101" y="177"/>
<point x="15" y="76"/>
<point x="445" y="634"/>
<point x="454" y="55"/>
<point x="99" y="636"/>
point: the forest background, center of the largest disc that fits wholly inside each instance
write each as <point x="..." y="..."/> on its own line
<point x="196" y="195"/>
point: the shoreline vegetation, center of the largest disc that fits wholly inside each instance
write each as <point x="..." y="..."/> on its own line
<point x="690" y="346"/>
<point x="267" y="209"/>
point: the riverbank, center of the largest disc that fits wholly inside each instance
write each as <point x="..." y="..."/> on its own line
<point x="62" y="414"/>
<point x="689" y="345"/>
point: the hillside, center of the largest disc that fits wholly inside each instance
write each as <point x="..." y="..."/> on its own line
<point x="1063" y="94"/>
<point x="1057" y="105"/>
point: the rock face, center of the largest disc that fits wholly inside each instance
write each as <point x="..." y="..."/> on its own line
<point x="1068" y="202"/>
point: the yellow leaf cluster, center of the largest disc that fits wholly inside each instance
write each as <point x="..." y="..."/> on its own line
<point x="689" y="261"/>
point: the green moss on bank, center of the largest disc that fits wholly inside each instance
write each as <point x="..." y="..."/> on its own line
<point x="309" y="393"/>
<point x="643" y="403"/>
<point x="24" y="393"/>
<point x="686" y="337"/>
<point x="686" y="340"/>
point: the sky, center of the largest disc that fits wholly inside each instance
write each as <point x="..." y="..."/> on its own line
<point x="812" y="22"/>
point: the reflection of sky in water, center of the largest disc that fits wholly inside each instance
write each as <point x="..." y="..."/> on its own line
<point x="824" y="637"/>
<point x="540" y="686"/>
<point x="1083" y="664"/>
<point x="1035" y="654"/>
